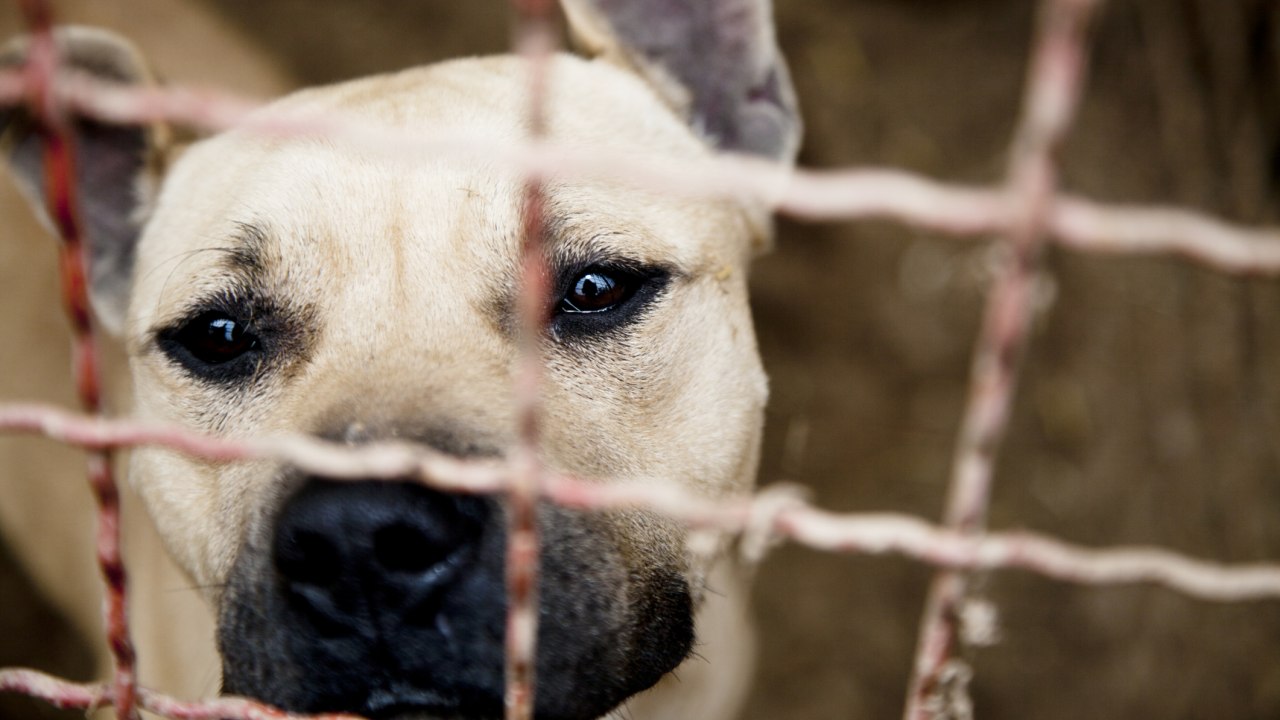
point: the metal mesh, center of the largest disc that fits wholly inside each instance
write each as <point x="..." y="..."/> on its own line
<point x="1027" y="212"/>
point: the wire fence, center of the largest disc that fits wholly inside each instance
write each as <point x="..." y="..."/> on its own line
<point x="1027" y="212"/>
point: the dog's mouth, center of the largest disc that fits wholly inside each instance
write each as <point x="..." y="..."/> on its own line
<point x="401" y="702"/>
<point x="325" y="611"/>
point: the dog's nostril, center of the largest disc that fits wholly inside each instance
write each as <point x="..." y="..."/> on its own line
<point x="406" y="549"/>
<point x="308" y="557"/>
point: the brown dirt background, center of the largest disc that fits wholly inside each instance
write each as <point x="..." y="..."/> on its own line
<point x="1150" y="409"/>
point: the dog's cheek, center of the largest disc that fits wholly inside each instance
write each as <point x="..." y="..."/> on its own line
<point x="718" y="359"/>
<point x="200" y="509"/>
<point x="659" y="599"/>
<point x="678" y="397"/>
<point x="614" y="584"/>
<point x="184" y="512"/>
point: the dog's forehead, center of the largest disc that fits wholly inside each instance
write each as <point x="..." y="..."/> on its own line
<point x="341" y="210"/>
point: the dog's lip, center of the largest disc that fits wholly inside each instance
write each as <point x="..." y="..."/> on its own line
<point x="401" y="703"/>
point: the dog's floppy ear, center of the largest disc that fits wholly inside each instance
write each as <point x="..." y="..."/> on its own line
<point x="116" y="165"/>
<point x="715" y="61"/>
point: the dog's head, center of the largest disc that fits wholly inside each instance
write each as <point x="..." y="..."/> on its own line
<point x="307" y="285"/>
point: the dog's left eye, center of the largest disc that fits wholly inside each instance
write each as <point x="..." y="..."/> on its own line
<point x="215" y="338"/>
<point x="597" y="290"/>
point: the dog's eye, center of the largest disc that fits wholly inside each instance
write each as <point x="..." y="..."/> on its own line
<point x="603" y="298"/>
<point x="597" y="290"/>
<point x="215" y="337"/>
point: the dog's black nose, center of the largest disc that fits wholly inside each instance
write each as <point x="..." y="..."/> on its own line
<point x="367" y="558"/>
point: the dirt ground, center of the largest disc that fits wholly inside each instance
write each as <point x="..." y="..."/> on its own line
<point x="1150" y="409"/>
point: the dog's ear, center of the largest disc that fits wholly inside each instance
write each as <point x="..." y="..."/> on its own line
<point x="715" y="61"/>
<point x="116" y="165"/>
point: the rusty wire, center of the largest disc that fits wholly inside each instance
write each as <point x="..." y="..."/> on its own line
<point x="939" y="682"/>
<point x="815" y="195"/>
<point x="1028" y="211"/>
<point x="57" y="134"/>
<point x="774" y="513"/>
<point x="535" y="40"/>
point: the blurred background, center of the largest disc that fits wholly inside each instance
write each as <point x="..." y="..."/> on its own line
<point x="1149" y="412"/>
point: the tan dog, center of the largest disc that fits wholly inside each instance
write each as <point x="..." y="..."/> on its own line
<point x="306" y="286"/>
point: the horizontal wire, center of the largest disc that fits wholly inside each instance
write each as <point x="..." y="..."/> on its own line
<point x="772" y="513"/>
<point x="775" y="513"/>
<point x="806" y="194"/>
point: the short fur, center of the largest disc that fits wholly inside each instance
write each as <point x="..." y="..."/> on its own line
<point x="383" y="296"/>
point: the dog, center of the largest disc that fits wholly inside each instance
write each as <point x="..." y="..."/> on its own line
<point x="261" y="285"/>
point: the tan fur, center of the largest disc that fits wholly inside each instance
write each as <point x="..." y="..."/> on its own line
<point x="398" y="264"/>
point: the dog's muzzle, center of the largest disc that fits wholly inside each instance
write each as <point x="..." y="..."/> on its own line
<point x="388" y="600"/>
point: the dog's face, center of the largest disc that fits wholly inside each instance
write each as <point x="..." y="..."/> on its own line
<point x="304" y="285"/>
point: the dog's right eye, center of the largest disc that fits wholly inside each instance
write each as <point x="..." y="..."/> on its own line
<point x="215" y="338"/>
